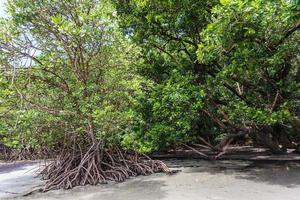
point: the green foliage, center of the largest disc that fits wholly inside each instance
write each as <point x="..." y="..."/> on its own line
<point x="147" y="75"/>
<point x="168" y="113"/>
<point x="77" y="79"/>
<point x="252" y="47"/>
<point x="167" y="31"/>
<point x="169" y="105"/>
<point x="249" y="41"/>
<point x="242" y="54"/>
<point x="8" y="108"/>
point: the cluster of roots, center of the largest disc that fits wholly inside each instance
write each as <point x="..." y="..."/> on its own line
<point x="96" y="166"/>
<point x="25" y="153"/>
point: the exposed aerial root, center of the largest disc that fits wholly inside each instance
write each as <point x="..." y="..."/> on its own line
<point x="25" y="153"/>
<point x="97" y="166"/>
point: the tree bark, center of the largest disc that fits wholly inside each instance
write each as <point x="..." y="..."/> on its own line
<point x="265" y="137"/>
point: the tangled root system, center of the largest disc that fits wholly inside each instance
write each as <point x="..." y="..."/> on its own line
<point x="96" y="166"/>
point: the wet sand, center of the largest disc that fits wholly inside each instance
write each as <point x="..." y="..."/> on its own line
<point x="198" y="180"/>
<point x="18" y="178"/>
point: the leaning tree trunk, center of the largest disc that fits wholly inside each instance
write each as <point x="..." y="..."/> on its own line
<point x="228" y="139"/>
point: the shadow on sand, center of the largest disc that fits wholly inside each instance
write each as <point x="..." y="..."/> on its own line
<point x="274" y="173"/>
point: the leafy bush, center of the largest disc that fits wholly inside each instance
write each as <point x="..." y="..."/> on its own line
<point x="168" y="114"/>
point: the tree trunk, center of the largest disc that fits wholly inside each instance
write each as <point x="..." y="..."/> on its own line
<point x="229" y="139"/>
<point x="265" y="137"/>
